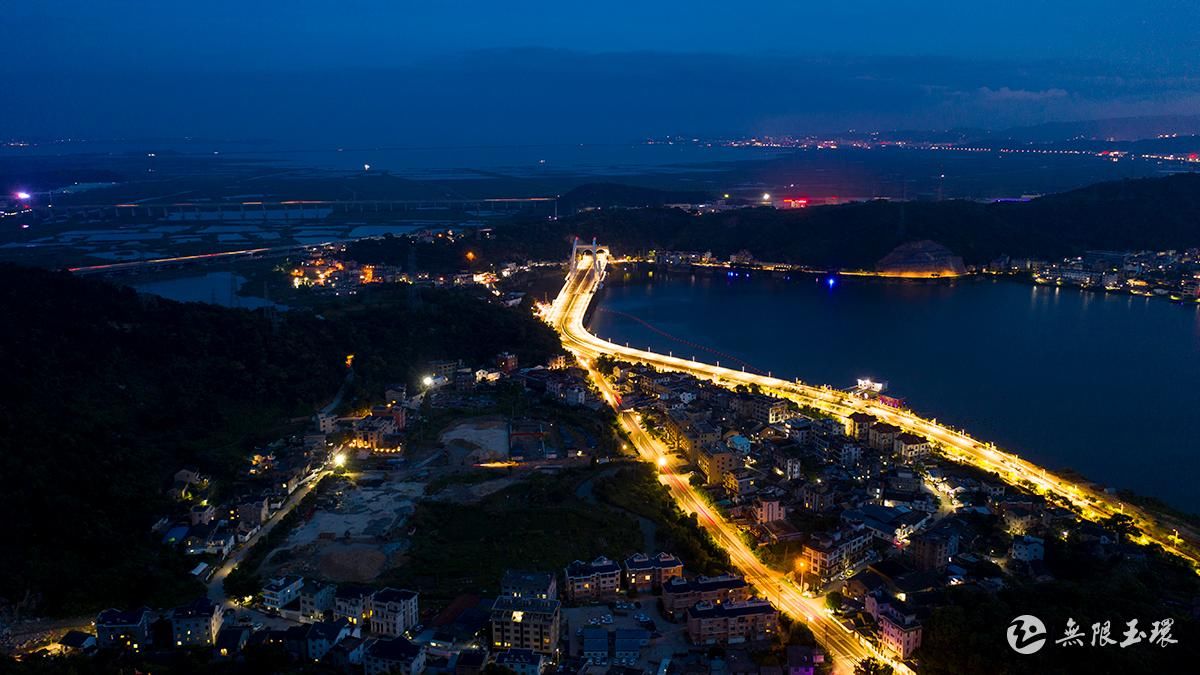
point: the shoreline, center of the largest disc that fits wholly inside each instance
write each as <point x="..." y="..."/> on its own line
<point x="1162" y="511"/>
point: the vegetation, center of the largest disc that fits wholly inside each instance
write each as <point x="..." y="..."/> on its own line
<point x="871" y="666"/>
<point x="1155" y="213"/>
<point x="540" y="523"/>
<point x="635" y="488"/>
<point x="108" y="393"/>
<point x="965" y="632"/>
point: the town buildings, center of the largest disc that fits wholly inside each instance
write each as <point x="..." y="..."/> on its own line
<point x="393" y="611"/>
<point x="598" y="579"/>
<point x="526" y="623"/>
<point x="731" y="622"/>
<point x="644" y="573"/>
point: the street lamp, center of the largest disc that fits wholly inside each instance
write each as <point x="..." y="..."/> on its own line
<point x="339" y="460"/>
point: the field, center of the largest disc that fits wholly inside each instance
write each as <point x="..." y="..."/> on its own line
<point x="539" y="524"/>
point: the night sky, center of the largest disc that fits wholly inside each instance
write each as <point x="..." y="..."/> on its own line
<point x="540" y="71"/>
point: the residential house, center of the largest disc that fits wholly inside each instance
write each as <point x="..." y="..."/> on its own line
<point x="521" y="661"/>
<point x="731" y="622"/>
<point x="911" y="447"/>
<point x="526" y="584"/>
<point x="281" y="591"/>
<point x="316" y="600"/>
<point x="680" y="594"/>
<point x="827" y="555"/>
<point x="767" y="509"/>
<point x="394" y="656"/>
<point x="1027" y="548"/>
<point x="196" y="624"/>
<point x="526" y="623"/>
<point x="353" y="603"/>
<point x="858" y="426"/>
<point x="393" y="611"/>
<point x="882" y="436"/>
<point x="644" y="573"/>
<point x="126" y="630"/>
<point x="598" y="579"/>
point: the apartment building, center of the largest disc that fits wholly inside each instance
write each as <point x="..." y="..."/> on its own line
<point x="526" y="623"/>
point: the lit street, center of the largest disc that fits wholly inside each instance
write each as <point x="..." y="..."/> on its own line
<point x="567" y="314"/>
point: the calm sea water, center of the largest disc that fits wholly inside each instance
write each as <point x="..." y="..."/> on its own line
<point x="1103" y="384"/>
<point x="219" y="288"/>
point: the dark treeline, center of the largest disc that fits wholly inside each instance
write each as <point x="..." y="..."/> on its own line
<point x="107" y="393"/>
<point x="1156" y="214"/>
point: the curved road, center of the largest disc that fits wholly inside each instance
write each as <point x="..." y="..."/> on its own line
<point x="566" y="315"/>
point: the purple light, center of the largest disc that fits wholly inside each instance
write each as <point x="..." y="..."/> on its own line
<point x="23" y="195"/>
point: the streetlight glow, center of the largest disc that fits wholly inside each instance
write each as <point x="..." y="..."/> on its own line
<point x="23" y="195"/>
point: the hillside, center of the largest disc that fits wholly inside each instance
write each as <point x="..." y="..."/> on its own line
<point x="108" y="393"/>
<point x="1157" y="213"/>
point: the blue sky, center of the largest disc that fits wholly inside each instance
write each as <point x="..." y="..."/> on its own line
<point x="619" y="69"/>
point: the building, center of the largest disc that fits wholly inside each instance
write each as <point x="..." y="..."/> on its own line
<point x="893" y="525"/>
<point x="352" y="603"/>
<point x="525" y="584"/>
<point x="827" y="555"/>
<point x="230" y="642"/>
<point x="741" y="482"/>
<point x="628" y="643"/>
<point x="196" y="624"/>
<point x="506" y="362"/>
<point x="680" y="594"/>
<point x="858" y="426"/>
<point x="443" y="369"/>
<point x="899" y="630"/>
<point x="322" y="636"/>
<point x="521" y="661"/>
<point x="761" y="408"/>
<point x="125" y="630"/>
<point x="316" y="599"/>
<point x="803" y="660"/>
<point x="393" y="611"/>
<point x="526" y="623"/>
<point x="598" y="579"/>
<point x="644" y="573"/>
<point x="882" y="436"/>
<point x="767" y="510"/>
<point x="470" y="662"/>
<point x="911" y="447"/>
<point x="933" y="550"/>
<point x="717" y="460"/>
<point x="395" y="656"/>
<point x="1027" y="548"/>
<point x="732" y="622"/>
<point x="281" y="591"/>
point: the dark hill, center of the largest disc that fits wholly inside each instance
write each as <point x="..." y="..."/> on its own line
<point x="1158" y="213"/>
<point x="107" y="393"/>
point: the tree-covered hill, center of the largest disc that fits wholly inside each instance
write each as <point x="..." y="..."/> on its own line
<point x="1159" y="213"/>
<point x="106" y="393"/>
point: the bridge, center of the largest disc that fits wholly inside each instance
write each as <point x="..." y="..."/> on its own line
<point x="566" y="314"/>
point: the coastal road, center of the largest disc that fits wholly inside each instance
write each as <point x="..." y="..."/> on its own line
<point x="566" y="314"/>
<point x="844" y="646"/>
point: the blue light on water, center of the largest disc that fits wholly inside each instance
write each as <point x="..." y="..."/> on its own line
<point x="831" y="281"/>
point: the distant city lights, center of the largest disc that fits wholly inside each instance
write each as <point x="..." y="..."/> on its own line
<point x="831" y="282"/>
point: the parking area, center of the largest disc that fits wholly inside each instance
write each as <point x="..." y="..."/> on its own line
<point x="621" y="624"/>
